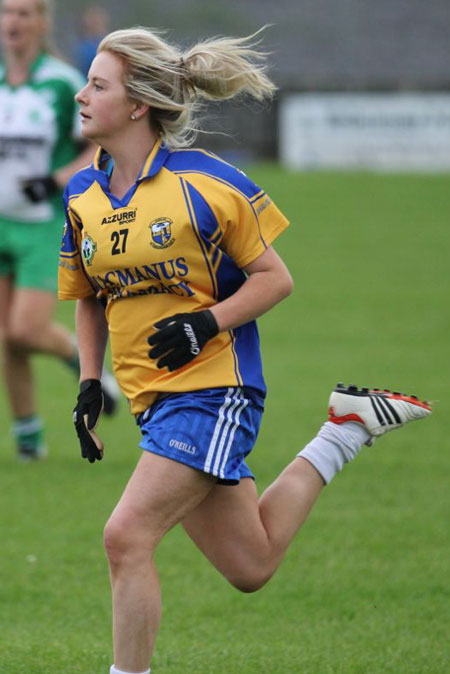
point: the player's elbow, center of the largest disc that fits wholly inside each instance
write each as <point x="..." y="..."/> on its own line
<point x="289" y="285"/>
<point x="285" y="285"/>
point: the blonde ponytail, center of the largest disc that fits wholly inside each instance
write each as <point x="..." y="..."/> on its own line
<point x="221" y="68"/>
<point x="174" y="83"/>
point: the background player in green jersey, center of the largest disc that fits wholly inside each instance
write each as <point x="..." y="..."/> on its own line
<point x="39" y="150"/>
<point x="142" y="91"/>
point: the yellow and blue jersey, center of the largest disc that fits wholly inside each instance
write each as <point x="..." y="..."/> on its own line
<point x="177" y="242"/>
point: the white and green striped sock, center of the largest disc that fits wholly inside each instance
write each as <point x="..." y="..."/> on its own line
<point x="28" y="433"/>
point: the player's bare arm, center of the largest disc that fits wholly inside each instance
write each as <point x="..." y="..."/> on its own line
<point x="92" y="335"/>
<point x="268" y="282"/>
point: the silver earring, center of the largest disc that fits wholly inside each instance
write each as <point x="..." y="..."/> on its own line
<point x="133" y="117"/>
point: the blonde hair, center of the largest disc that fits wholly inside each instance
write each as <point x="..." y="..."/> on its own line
<point x="46" y="9"/>
<point x="45" y="6"/>
<point x="174" y="83"/>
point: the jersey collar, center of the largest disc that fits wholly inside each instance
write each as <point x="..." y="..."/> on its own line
<point x="155" y="160"/>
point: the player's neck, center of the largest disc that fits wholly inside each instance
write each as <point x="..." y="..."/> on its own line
<point x="18" y="64"/>
<point x="129" y="158"/>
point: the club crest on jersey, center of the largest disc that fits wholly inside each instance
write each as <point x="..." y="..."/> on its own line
<point x="88" y="250"/>
<point x="161" y="231"/>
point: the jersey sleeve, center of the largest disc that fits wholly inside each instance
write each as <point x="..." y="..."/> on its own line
<point x="250" y="223"/>
<point x="73" y="283"/>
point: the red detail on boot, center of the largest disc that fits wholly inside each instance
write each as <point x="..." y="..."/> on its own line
<point x="343" y="419"/>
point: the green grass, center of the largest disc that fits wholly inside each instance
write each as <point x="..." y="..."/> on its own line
<point x="364" y="588"/>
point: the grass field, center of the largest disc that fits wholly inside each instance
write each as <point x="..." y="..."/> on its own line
<point x="365" y="588"/>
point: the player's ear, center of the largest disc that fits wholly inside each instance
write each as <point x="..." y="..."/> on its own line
<point x="139" y="109"/>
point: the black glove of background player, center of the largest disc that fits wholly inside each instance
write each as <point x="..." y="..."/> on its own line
<point x="180" y="338"/>
<point x="39" y="188"/>
<point x="85" y="417"/>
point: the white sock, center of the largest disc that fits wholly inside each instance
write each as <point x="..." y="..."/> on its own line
<point x="334" y="445"/>
<point x="113" y="670"/>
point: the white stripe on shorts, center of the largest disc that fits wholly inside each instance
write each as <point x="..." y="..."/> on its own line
<point x="219" y="422"/>
<point x="223" y="423"/>
<point x="230" y="419"/>
<point x="240" y="409"/>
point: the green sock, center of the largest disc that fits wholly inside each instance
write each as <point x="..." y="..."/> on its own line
<point x="29" y="434"/>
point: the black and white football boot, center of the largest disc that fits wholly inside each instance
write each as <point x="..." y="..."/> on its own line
<point x="379" y="411"/>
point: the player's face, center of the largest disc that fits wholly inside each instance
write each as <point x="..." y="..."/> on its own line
<point x="22" y="25"/>
<point x="104" y="105"/>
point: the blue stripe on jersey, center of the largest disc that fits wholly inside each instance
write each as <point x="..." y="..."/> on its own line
<point x="229" y="277"/>
<point x="248" y="352"/>
<point x="194" y="221"/>
<point x="198" y="161"/>
<point x="248" y="365"/>
<point x="207" y="222"/>
<point x="234" y="187"/>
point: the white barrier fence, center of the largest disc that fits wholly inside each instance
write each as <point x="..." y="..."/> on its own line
<point x="393" y="132"/>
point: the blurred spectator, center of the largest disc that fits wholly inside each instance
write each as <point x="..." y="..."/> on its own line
<point x="40" y="148"/>
<point x="94" y="23"/>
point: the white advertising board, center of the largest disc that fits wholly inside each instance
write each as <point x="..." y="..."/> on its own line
<point x="397" y="132"/>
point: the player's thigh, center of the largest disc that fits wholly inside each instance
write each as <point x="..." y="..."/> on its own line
<point x="228" y="529"/>
<point x="159" y="494"/>
<point x="6" y="294"/>
<point x="31" y="311"/>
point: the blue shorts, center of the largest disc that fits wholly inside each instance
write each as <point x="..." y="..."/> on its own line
<point x="212" y="430"/>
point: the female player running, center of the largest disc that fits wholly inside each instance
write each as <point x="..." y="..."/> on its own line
<point x="179" y="245"/>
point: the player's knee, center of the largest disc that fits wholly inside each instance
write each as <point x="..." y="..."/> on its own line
<point x="117" y="539"/>
<point x="124" y="542"/>
<point x="19" y="336"/>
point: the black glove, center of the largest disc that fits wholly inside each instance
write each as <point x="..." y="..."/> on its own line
<point x="40" y="189"/>
<point x="180" y="338"/>
<point x="85" y="417"/>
